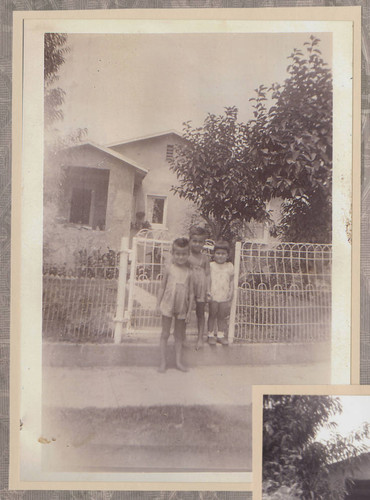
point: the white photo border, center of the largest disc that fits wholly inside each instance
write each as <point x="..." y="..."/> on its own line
<point x="27" y="235"/>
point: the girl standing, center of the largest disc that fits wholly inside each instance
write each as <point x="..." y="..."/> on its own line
<point x="221" y="293"/>
<point x="175" y="300"/>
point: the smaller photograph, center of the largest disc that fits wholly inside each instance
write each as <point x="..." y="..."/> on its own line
<point x="314" y="446"/>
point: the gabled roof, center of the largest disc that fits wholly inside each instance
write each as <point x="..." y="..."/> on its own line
<point x="113" y="153"/>
<point x="365" y="456"/>
<point x="152" y="136"/>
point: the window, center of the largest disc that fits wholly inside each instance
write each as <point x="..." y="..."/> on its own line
<point x="87" y="190"/>
<point x="157" y="210"/>
<point x="80" y="205"/>
<point x="169" y="152"/>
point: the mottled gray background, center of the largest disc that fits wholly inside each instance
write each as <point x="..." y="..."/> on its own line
<point x="6" y="9"/>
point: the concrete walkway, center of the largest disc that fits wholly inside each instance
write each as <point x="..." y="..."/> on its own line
<point x="134" y="418"/>
<point x="113" y="387"/>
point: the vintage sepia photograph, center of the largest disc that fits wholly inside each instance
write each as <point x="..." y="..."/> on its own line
<point x="177" y="181"/>
<point x="316" y="445"/>
<point x="365" y="225"/>
<point x="195" y="223"/>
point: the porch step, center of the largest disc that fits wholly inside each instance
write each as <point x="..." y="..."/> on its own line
<point x="140" y="352"/>
<point x="202" y="438"/>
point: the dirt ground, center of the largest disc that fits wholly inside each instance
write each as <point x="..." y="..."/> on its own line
<point x="159" y="438"/>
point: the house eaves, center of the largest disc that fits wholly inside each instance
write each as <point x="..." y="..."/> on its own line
<point x="359" y="459"/>
<point x="138" y="169"/>
<point x="143" y="138"/>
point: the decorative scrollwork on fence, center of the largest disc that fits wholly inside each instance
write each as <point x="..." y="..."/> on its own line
<point x="284" y="293"/>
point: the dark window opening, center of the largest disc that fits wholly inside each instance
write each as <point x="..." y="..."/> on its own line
<point x="357" y="489"/>
<point x="81" y="206"/>
<point x="88" y="195"/>
<point x="158" y="211"/>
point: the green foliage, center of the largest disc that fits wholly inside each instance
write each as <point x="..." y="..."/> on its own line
<point x="96" y="264"/>
<point x="307" y="217"/>
<point x="55" y="50"/>
<point x="213" y="174"/>
<point x="87" y="264"/>
<point x="293" y="458"/>
<point x="291" y="145"/>
<point x="283" y="493"/>
<point x="230" y="169"/>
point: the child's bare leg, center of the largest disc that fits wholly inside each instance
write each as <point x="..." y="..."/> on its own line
<point x="213" y="308"/>
<point x="179" y="334"/>
<point x="166" y="328"/>
<point x="185" y="343"/>
<point x="200" y="306"/>
<point x="222" y="315"/>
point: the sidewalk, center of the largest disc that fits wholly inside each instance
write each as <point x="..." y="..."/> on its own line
<point x="134" y="418"/>
<point x="114" y="387"/>
<point x="143" y="351"/>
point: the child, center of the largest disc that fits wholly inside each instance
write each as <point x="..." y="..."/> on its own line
<point x="221" y="293"/>
<point x="199" y="263"/>
<point x="175" y="300"/>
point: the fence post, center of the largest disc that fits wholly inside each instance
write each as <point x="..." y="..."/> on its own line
<point x="121" y="291"/>
<point x="130" y="304"/>
<point x="238" y="247"/>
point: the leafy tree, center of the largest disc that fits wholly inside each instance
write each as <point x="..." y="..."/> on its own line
<point x="293" y="461"/>
<point x="55" y="50"/>
<point x="291" y="145"/>
<point x="213" y="173"/>
<point x="230" y="169"/>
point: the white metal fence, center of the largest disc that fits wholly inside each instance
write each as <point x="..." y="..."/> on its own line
<point x="80" y="304"/>
<point x="282" y="293"/>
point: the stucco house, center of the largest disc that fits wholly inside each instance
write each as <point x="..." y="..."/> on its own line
<point x="94" y="203"/>
<point x="108" y="192"/>
<point x="152" y="198"/>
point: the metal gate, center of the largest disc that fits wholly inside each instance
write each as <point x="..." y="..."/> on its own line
<point x="282" y="292"/>
<point x="149" y="256"/>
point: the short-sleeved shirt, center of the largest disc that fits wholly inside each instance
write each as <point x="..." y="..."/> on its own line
<point x="221" y="275"/>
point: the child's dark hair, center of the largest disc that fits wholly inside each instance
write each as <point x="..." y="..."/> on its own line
<point x="222" y="245"/>
<point x="198" y="231"/>
<point x="180" y="243"/>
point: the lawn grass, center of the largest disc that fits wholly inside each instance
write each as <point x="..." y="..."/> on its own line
<point x="212" y="426"/>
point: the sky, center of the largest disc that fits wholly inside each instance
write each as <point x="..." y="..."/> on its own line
<point x="126" y="86"/>
<point x="356" y="411"/>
